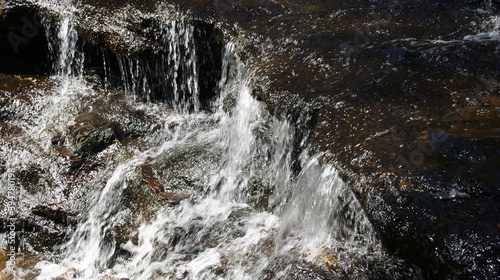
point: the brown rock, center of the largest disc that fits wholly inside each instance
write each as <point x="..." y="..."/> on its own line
<point x="173" y="197"/>
<point x="3" y="259"/>
<point x="148" y="177"/>
<point x="63" y="151"/>
<point x="157" y="186"/>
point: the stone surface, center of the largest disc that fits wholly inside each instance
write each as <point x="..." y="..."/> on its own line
<point x="92" y="134"/>
<point x="403" y="108"/>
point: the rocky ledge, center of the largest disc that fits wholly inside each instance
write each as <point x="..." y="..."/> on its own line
<point x="402" y="97"/>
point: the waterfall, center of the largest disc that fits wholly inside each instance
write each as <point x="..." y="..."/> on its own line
<point x="235" y="207"/>
<point x="174" y="73"/>
<point x="62" y="43"/>
<point x="227" y="230"/>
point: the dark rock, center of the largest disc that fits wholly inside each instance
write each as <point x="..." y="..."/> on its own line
<point x="148" y="177"/>
<point x="56" y="215"/>
<point x="184" y="170"/>
<point x="407" y="120"/>
<point x="92" y="134"/>
<point x="403" y="106"/>
<point x="117" y="111"/>
<point x="95" y="141"/>
<point x="63" y="151"/>
<point x="58" y="141"/>
<point x="8" y="130"/>
<point x="23" y="48"/>
<point x="147" y="50"/>
<point x="33" y="179"/>
<point x="76" y="162"/>
<point x="326" y="266"/>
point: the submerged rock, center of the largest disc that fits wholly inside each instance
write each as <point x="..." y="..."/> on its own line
<point x="157" y="186"/>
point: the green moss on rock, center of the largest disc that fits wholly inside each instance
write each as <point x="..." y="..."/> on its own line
<point x="95" y="141"/>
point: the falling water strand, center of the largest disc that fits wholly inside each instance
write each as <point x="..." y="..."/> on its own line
<point x="174" y="73"/>
<point x="182" y="65"/>
<point x="63" y="43"/>
<point x="323" y="211"/>
<point x="221" y="228"/>
<point x="89" y="250"/>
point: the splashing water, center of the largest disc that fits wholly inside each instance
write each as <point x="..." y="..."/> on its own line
<point x="218" y="233"/>
<point x="490" y="30"/>
<point x="243" y="209"/>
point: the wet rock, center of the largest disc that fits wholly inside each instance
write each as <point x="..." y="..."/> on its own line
<point x="173" y="197"/>
<point x="92" y="134"/>
<point x="95" y="141"/>
<point x="3" y="259"/>
<point x="144" y="47"/>
<point x="75" y="161"/>
<point x="148" y="177"/>
<point x="21" y="87"/>
<point x="8" y="130"/>
<point x="24" y="268"/>
<point x="118" y="111"/>
<point x="326" y="266"/>
<point x="183" y="171"/>
<point x="258" y="194"/>
<point x="33" y="179"/>
<point x="158" y="188"/>
<point x="56" y="215"/>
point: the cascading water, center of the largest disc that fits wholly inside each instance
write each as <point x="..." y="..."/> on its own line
<point x="242" y="212"/>
<point x="178" y="68"/>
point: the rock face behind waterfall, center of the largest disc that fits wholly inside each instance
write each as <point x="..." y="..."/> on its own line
<point x="403" y="99"/>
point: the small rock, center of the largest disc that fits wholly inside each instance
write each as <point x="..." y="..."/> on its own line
<point x="157" y="186"/>
<point x="63" y="151"/>
<point x="8" y="130"/>
<point x="95" y="142"/>
<point x="148" y="177"/>
<point x="75" y="161"/>
<point x="56" y="215"/>
<point x="58" y="140"/>
<point x="92" y="134"/>
<point x="173" y="197"/>
<point x="3" y="260"/>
